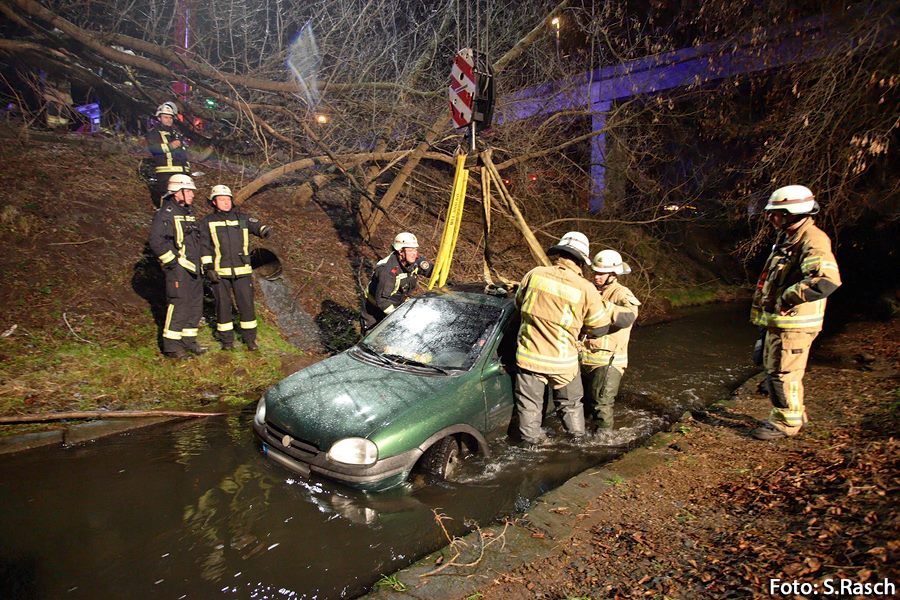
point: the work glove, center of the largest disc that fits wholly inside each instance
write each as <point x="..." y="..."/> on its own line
<point x="758" y="348"/>
<point x="212" y="276"/>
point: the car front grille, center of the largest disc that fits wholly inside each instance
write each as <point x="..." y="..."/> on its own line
<point x="278" y="435"/>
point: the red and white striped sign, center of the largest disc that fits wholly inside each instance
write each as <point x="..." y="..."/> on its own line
<point x="462" y="87"/>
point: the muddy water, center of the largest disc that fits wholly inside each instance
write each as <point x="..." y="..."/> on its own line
<point x="194" y="511"/>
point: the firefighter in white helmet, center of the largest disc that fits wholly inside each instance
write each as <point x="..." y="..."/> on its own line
<point x="394" y="279"/>
<point x="557" y="306"/>
<point x="789" y="304"/>
<point x="175" y="241"/>
<point x="604" y="359"/>
<point x="226" y="261"/>
<point x="167" y="148"/>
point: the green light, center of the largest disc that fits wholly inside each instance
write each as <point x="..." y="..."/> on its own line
<point x="211" y="104"/>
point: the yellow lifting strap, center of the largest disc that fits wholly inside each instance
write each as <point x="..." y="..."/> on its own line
<point x="451" y="225"/>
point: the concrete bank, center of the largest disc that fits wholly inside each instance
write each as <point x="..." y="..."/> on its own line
<point x="76" y="433"/>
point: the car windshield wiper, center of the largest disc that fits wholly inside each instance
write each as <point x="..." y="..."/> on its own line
<point x="405" y="360"/>
<point x="372" y="353"/>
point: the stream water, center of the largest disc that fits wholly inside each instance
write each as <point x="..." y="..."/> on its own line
<point x="192" y="510"/>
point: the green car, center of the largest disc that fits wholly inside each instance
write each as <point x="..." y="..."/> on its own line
<point x="427" y="386"/>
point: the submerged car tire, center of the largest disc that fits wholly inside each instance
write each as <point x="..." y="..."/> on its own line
<point x="442" y="459"/>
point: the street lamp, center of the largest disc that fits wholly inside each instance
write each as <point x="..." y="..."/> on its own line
<point x="556" y="22"/>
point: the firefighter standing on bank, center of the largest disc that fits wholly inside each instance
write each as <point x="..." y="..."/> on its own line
<point x="175" y="241"/>
<point x="226" y="262"/>
<point x="394" y="279"/>
<point x="605" y="359"/>
<point x="167" y="147"/>
<point x="789" y="304"/>
<point x="557" y="305"/>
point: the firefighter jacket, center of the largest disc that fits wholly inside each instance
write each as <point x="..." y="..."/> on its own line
<point x="226" y="239"/>
<point x="557" y="304"/>
<point x="613" y="347"/>
<point x="392" y="283"/>
<point x="175" y="236"/>
<point x="166" y="159"/>
<point x="799" y="275"/>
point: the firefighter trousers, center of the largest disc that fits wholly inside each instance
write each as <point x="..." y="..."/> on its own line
<point x="230" y="291"/>
<point x="530" y="389"/>
<point x="784" y="357"/>
<point x="184" y="307"/>
<point x="604" y="386"/>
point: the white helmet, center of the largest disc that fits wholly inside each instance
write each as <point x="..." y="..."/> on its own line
<point x="405" y="240"/>
<point x="574" y="243"/>
<point x="796" y="199"/>
<point x="610" y="261"/>
<point x="167" y="108"/>
<point x="180" y="181"/>
<point x="220" y="190"/>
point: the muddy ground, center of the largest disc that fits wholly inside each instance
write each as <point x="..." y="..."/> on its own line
<point x="708" y="512"/>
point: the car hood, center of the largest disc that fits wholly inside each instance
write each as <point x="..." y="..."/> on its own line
<point x="343" y="397"/>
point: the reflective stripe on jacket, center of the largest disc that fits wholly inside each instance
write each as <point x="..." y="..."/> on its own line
<point x="798" y="276"/>
<point x="174" y="235"/>
<point x="392" y="283"/>
<point x="226" y="242"/>
<point x="556" y="303"/>
<point x="598" y="351"/>
<point x="165" y="158"/>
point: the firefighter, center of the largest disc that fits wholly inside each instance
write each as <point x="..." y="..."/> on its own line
<point x="557" y="305"/>
<point x="226" y="262"/>
<point x="175" y="241"/>
<point x="394" y="279"/>
<point x="789" y="304"/>
<point x="167" y="149"/>
<point x="605" y="359"/>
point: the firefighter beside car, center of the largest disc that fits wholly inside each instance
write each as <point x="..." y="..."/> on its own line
<point x="175" y="241"/>
<point x="226" y="263"/>
<point x="789" y="304"/>
<point x="394" y="279"/>
<point x="604" y="359"/>
<point x="167" y="149"/>
<point x="557" y="305"/>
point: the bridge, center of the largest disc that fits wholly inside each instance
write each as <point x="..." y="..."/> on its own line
<point x="598" y="89"/>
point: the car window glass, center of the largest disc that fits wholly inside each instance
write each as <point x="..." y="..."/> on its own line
<point x="439" y="331"/>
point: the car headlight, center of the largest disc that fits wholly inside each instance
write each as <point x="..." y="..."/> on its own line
<point x="354" y="451"/>
<point x="261" y="411"/>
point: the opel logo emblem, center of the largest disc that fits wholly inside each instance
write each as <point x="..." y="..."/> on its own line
<point x="286" y="441"/>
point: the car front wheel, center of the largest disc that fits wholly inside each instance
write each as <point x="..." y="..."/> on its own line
<point x="442" y="459"/>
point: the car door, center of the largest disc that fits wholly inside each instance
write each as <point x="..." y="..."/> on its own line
<point x="497" y="376"/>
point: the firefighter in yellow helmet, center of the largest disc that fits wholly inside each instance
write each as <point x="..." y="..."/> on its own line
<point x="604" y="359"/>
<point x="175" y="241"/>
<point x="557" y="306"/>
<point x="226" y="262"/>
<point x="394" y="279"/>
<point x="789" y="304"/>
<point x="167" y="147"/>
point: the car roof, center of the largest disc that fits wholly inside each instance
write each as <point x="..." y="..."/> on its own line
<point x="476" y="293"/>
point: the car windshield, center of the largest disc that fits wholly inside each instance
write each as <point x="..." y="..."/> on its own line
<point x="437" y="331"/>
